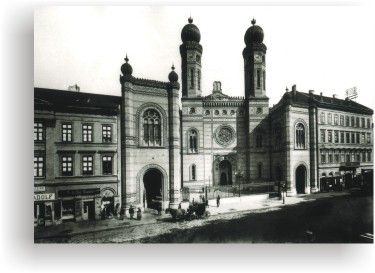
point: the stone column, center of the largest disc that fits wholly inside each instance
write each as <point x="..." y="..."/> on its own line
<point x="174" y="145"/>
<point x="290" y="188"/>
<point x="128" y="178"/>
<point x="313" y="146"/>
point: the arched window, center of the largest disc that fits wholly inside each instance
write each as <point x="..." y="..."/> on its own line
<point x="193" y="172"/>
<point x="264" y="80"/>
<point x="193" y="141"/>
<point x="199" y="80"/>
<point x="368" y="123"/>
<point x="347" y="121"/>
<point x="260" y="169"/>
<point x="151" y="128"/>
<point x="258" y="78"/>
<point x="357" y="122"/>
<point x="352" y="121"/>
<point x="191" y="78"/>
<point x="300" y="136"/>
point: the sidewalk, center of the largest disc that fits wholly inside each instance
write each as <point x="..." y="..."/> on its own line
<point x="75" y="228"/>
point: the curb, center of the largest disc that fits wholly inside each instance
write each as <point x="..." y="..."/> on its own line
<point x="67" y="235"/>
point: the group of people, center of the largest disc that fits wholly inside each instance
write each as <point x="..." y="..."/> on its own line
<point x="132" y="211"/>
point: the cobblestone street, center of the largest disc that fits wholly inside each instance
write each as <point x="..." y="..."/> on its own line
<point x="324" y="218"/>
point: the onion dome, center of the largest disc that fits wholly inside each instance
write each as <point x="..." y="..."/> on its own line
<point x="126" y="68"/>
<point x="190" y="32"/>
<point x="254" y="34"/>
<point x="173" y="77"/>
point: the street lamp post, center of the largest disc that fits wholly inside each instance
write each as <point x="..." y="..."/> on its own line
<point x="238" y="174"/>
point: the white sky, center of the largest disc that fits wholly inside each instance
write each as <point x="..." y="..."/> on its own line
<point x="326" y="49"/>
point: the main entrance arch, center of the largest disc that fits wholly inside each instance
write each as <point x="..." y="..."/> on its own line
<point x="153" y="193"/>
<point x="301" y="179"/>
<point x="225" y="171"/>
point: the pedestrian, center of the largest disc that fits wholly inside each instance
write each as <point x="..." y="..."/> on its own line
<point x="193" y="202"/>
<point x="159" y="209"/>
<point x="179" y="205"/>
<point x="139" y="214"/>
<point x="218" y="201"/>
<point x="131" y="212"/>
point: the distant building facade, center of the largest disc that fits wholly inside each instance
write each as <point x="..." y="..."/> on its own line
<point x="158" y="150"/>
<point x="76" y="156"/>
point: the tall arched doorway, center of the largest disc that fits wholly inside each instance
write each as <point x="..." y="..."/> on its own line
<point x="152" y="181"/>
<point x="301" y="179"/>
<point x="225" y="170"/>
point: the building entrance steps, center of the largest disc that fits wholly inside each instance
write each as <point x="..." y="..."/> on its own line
<point x="152" y="217"/>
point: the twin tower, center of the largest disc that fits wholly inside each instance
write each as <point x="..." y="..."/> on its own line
<point x="166" y="150"/>
<point x="254" y="55"/>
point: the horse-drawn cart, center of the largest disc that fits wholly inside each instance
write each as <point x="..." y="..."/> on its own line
<point x="195" y="211"/>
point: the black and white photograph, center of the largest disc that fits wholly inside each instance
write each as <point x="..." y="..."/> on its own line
<point x="203" y="125"/>
<point x="187" y="136"/>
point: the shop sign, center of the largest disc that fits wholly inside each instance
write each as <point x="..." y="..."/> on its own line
<point x="44" y="196"/>
<point x="80" y="192"/>
<point x="39" y="189"/>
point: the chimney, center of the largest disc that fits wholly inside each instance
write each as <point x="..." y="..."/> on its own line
<point x="334" y="96"/>
<point x="294" y="90"/>
<point x="311" y="91"/>
<point x="74" y="88"/>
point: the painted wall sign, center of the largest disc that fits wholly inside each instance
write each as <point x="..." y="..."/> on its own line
<point x="44" y="196"/>
<point x="80" y="192"/>
<point x="39" y="189"/>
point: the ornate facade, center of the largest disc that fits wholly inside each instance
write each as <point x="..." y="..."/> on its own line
<point x="170" y="140"/>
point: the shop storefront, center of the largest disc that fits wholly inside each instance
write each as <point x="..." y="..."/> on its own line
<point x="78" y="204"/>
<point x="44" y="207"/>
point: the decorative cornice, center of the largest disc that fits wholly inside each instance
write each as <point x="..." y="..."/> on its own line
<point x="159" y="93"/>
<point x="223" y="103"/>
<point x="144" y="82"/>
<point x="191" y="45"/>
<point x="254" y="47"/>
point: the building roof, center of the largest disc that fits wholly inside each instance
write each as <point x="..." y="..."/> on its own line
<point x="304" y="99"/>
<point x="75" y="102"/>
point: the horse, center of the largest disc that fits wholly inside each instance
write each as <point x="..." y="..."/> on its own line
<point x="177" y="214"/>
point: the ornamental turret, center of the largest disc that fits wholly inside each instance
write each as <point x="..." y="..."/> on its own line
<point x="254" y="55"/>
<point x="191" y="55"/>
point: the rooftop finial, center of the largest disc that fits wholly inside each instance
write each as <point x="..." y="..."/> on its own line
<point x="126" y="58"/>
<point x="172" y="66"/>
<point x="190" y="20"/>
<point x="253" y="21"/>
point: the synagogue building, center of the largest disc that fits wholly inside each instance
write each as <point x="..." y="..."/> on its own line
<point x="161" y="143"/>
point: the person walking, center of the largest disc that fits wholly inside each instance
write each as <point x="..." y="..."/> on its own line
<point x="159" y="209"/>
<point x="131" y="212"/>
<point x="139" y="214"/>
<point x="218" y="201"/>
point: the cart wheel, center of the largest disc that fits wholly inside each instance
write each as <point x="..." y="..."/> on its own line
<point x="206" y="214"/>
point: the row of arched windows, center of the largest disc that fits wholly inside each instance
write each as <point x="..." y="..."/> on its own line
<point x="151" y="128"/>
<point x="152" y="134"/>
